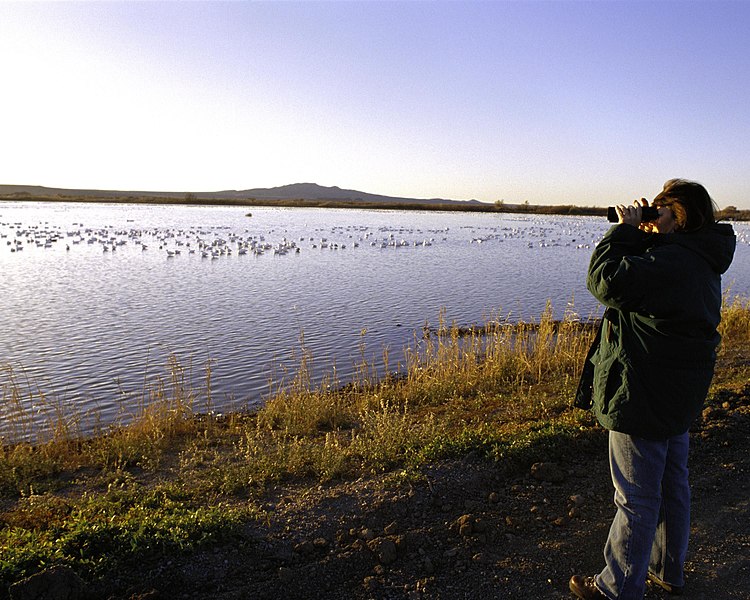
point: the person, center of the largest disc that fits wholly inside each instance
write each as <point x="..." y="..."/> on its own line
<point x="647" y="376"/>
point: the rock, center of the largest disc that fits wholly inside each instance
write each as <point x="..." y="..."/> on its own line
<point x="547" y="471"/>
<point x="712" y="412"/>
<point x="344" y="538"/>
<point x="371" y="583"/>
<point x="305" y="547"/>
<point x="321" y="543"/>
<point x="578" y="500"/>
<point x="56" y="583"/>
<point x="391" y="528"/>
<point x="468" y="525"/>
<point x="385" y="550"/>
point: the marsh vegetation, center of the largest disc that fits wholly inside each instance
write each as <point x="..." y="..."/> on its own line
<point x="172" y="480"/>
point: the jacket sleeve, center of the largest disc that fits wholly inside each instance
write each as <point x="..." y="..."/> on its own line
<point x="622" y="273"/>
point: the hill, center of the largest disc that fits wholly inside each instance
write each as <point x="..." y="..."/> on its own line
<point x="295" y="191"/>
<point x="313" y="191"/>
<point x="307" y="195"/>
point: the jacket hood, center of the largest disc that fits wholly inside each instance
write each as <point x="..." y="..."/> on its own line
<point x="716" y="245"/>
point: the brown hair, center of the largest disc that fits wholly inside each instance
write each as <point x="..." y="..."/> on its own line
<point x="690" y="203"/>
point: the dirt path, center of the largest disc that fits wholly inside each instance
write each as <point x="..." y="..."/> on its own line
<point x="468" y="530"/>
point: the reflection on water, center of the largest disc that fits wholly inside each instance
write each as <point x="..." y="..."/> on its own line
<point x="95" y="298"/>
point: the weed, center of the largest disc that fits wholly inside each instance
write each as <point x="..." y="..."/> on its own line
<point x="169" y="479"/>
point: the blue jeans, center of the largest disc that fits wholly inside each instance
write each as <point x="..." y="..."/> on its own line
<point x="651" y="528"/>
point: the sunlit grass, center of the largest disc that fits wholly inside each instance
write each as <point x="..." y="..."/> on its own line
<point x="735" y="320"/>
<point x="170" y="479"/>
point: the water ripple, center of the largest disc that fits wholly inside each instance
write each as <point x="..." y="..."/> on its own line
<point x="97" y="298"/>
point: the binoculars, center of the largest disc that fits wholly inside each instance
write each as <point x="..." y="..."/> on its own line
<point x="648" y="213"/>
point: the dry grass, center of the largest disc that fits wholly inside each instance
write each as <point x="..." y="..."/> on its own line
<point x="500" y="374"/>
<point x="735" y="320"/>
<point x="499" y="390"/>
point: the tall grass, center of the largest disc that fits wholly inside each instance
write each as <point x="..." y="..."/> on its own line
<point x="502" y="389"/>
<point x="735" y="320"/>
<point x="502" y="371"/>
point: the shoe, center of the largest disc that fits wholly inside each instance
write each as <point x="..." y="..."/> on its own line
<point x="585" y="589"/>
<point x="673" y="590"/>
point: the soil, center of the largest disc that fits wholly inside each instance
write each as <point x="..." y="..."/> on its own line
<point x="469" y="528"/>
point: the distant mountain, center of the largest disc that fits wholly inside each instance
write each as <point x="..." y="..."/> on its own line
<point x="313" y="191"/>
<point x="295" y="191"/>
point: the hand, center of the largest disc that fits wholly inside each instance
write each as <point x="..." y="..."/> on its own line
<point x="649" y="226"/>
<point x="631" y="215"/>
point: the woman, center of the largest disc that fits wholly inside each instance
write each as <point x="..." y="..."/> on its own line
<point x="647" y="376"/>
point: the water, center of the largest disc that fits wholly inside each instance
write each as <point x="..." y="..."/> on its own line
<point x="94" y="298"/>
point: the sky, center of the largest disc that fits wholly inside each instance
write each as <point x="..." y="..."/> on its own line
<point x="546" y="102"/>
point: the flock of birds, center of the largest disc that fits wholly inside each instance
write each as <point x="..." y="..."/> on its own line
<point x="222" y="241"/>
<point x="208" y="242"/>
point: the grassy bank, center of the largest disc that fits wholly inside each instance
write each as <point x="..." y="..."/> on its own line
<point x="728" y="213"/>
<point x="173" y="480"/>
<point x="213" y="200"/>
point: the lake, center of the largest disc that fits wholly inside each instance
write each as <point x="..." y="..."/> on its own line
<point x="95" y="298"/>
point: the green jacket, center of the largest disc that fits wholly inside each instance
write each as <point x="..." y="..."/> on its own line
<point x="650" y="368"/>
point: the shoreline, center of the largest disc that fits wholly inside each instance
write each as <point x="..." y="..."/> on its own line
<point x="472" y="467"/>
<point x="447" y="206"/>
<point x="727" y="214"/>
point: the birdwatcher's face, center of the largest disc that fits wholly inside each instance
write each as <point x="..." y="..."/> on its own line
<point x="666" y="222"/>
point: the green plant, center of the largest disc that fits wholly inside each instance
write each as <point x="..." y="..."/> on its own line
<point x="168" y="480"/>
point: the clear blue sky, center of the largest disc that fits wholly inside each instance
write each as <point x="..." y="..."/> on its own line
<point x="546" y="102"/>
